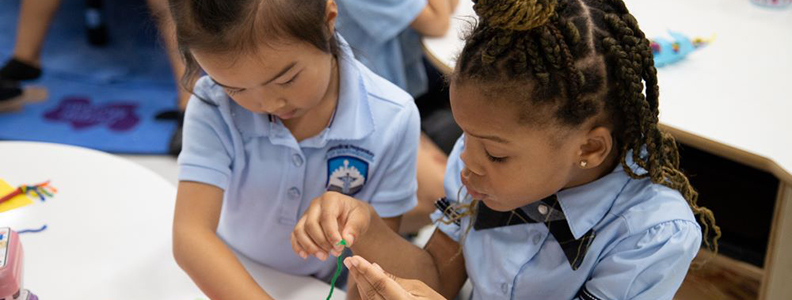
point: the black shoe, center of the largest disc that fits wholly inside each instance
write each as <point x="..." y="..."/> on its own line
<point x="17" y="70"/>
<point x="10" y="96"/>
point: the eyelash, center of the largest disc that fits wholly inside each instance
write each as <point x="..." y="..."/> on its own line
<point x="287" y="83"/>
<point x="495" y="159"/>
<point x="233" y="92"/>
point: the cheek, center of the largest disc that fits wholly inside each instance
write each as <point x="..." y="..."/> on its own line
<point x="310" y="91"/>
<point x="527" y="180"/>
<point x="246" y="101"/>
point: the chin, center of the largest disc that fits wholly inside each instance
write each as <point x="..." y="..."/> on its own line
<point x="497" y="206"/>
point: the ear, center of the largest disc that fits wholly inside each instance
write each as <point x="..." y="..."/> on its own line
<point x="331" y="13"/>
<point x="595" y="148"/>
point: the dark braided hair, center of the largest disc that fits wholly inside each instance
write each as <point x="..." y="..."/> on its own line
<point x="583" y="60"/>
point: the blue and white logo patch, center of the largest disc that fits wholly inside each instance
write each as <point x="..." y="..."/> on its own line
<point x="346" y="174"/>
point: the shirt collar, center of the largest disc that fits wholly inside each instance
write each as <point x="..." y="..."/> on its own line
<point x="353" y="119"/>
<point x="586" y="205"/>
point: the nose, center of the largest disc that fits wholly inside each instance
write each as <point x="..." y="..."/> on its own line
<point x="272" y="105"/>
<point x="471" y="166"/>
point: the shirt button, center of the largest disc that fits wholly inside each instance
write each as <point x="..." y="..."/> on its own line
<point x="297" y="160"/>
<point x="537" y="238"/>
<point x="542" y="209"/>
<point x="505" y="288"/>
<point x="294" y="193"/>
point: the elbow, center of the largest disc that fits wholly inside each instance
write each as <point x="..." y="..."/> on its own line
<point x="178" y="253"/>
<point x="180" y="246"/>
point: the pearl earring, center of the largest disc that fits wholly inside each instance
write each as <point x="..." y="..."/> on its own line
<point x="583" y="163"/>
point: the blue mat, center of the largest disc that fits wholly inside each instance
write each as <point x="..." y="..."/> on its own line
<point x="101" y="98"/>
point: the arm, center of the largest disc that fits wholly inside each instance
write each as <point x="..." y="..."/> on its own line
<point x="392" y="224"/>
<point x="200" y="252"/>
<point x="440" y="265"/>
<point x="435" y="19"/>
<point x="374" y="282"/>
<point x="332" y="216"/>
<point x="648" y="265"/>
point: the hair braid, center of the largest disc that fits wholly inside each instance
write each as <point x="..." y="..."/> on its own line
<point x="590" y="59"/>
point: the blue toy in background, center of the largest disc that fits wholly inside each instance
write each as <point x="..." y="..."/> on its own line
<point x="668" y="52"/>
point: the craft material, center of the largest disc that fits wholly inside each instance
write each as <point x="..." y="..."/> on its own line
<point x="671" y="51"/>
<point x="11" y="198"/>
<point x="339" y="268"/>
<point x="11" y="257"/>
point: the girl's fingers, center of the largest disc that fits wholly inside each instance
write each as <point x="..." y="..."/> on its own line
<point x="305" y="241"/>
<point x="365" y="289"/>
<point x="357" y="222"/>
<point x="296" y="247"/>
<point x="331" y="213"/>
<point x="376" y="281"/>
<point x="314" y="229"/>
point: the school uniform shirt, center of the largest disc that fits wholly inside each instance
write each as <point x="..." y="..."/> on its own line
<point x="613" y="238"/>
<point x="380" y="34"/>
<point x="368" y="151"/>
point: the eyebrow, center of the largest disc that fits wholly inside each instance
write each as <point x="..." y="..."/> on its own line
<point x="489" y="137"/>
<point x="281" y="73"/>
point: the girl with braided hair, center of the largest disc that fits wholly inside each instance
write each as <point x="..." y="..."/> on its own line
<point x="562" y="187"/>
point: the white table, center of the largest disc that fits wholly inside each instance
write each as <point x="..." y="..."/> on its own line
<point x="109" y="230"/>
<point x="731" y="98"/>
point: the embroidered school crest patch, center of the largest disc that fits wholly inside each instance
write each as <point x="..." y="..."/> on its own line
<point x="346" y="174"/>
<point x="347" y="168"/>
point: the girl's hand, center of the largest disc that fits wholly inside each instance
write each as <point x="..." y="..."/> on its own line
<point x="373" y="283"/>
<point x="329" y="218"/>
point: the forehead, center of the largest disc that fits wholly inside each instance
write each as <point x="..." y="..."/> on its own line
<point x="273" y="55"/>
<point x="485" y="113"/>
<point x="476" y="111"/>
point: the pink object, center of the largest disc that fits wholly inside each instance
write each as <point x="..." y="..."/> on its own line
<point x="10" y="264"/>
<point x="772" y="3"/>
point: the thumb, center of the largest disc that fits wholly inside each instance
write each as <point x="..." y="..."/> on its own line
<point x="357" y="222"/>
<point x="374" y="282"/>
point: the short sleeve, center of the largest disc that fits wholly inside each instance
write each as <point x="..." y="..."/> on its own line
<point x="452" y="185"/>
<point x="382" y="20"/>
<point x="206" y="141"/>
<point x="395" y="195"/>
<point x="650" y="265"/>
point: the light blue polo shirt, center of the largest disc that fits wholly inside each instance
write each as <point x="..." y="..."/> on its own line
<point x="380" y="34"/>
<point x="368" y="151"/>
<point x="613" y="238"/>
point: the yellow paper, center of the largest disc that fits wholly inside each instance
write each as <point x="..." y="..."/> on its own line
<point x="16" y="202"/>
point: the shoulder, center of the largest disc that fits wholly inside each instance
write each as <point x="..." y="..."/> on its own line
<point x="390" y="105"/>
<point x="209" y="92"/>
<point x="382" y="92"/>
<point x="643" y="205"/>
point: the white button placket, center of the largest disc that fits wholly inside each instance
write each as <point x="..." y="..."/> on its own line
<point x="293" y="184"/>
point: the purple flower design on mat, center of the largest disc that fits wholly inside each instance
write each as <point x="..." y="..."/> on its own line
<point x="79" y="111"/>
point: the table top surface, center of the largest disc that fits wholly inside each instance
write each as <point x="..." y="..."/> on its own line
<point x="734" y="91"/>
<point x="109" y="230"/>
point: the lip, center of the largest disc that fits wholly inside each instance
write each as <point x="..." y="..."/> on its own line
<point x="473" y="192"/>
<point x="476" y="195"/>
<point x="287" y="115"/>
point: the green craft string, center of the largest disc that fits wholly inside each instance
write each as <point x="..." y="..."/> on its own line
<point x="339" y="267"/>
